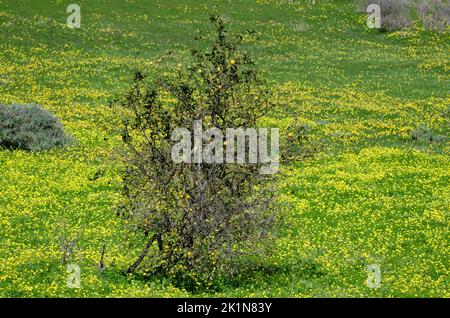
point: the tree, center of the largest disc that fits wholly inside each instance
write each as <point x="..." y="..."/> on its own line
<point x="195" y="215"/>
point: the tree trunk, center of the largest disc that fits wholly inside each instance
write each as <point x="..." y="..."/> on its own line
<point x="142" y="255"/>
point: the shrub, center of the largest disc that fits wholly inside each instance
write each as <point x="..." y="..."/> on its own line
<point x="395" y="14"/>
<point x="424" y="134"/>
<point x="398" y="14"/>
<point x="299" y="144"/>
<point x="435" y="14"/>
<point x="30" y="127"/>
<point x="198" y="215"/>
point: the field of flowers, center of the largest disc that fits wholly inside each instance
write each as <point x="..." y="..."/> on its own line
<point x="371" y="196"/>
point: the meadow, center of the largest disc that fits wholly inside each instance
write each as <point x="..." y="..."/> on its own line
<point x="372" y="195"/>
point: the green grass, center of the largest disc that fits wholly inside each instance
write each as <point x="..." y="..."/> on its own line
<point x="372" y="196"/>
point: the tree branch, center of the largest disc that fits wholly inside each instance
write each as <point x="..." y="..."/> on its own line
<point x="142" y="255"/>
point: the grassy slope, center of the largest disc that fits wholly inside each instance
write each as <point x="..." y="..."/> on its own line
<point x="373" y="197"/>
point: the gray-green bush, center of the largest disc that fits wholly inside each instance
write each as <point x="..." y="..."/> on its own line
<point x="401" y="14"/>
<point x="434" y="14"/>
<point x="31" y="128"/>
<point x="425" y="134"/>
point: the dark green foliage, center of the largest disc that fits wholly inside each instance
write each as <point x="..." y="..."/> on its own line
<point x="30" y="127"/>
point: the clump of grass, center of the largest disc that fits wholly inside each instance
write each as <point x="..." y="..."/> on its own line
<point x="30" y="128"/>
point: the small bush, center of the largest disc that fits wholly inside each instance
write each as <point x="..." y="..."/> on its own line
<point x="424" y="134"/>
<point x="31" y="128"/>
<point x="395" y="14"/>
<point x="299" y="143"/>
<point x="398" y="14"/>
<point x="434" y="14"/>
